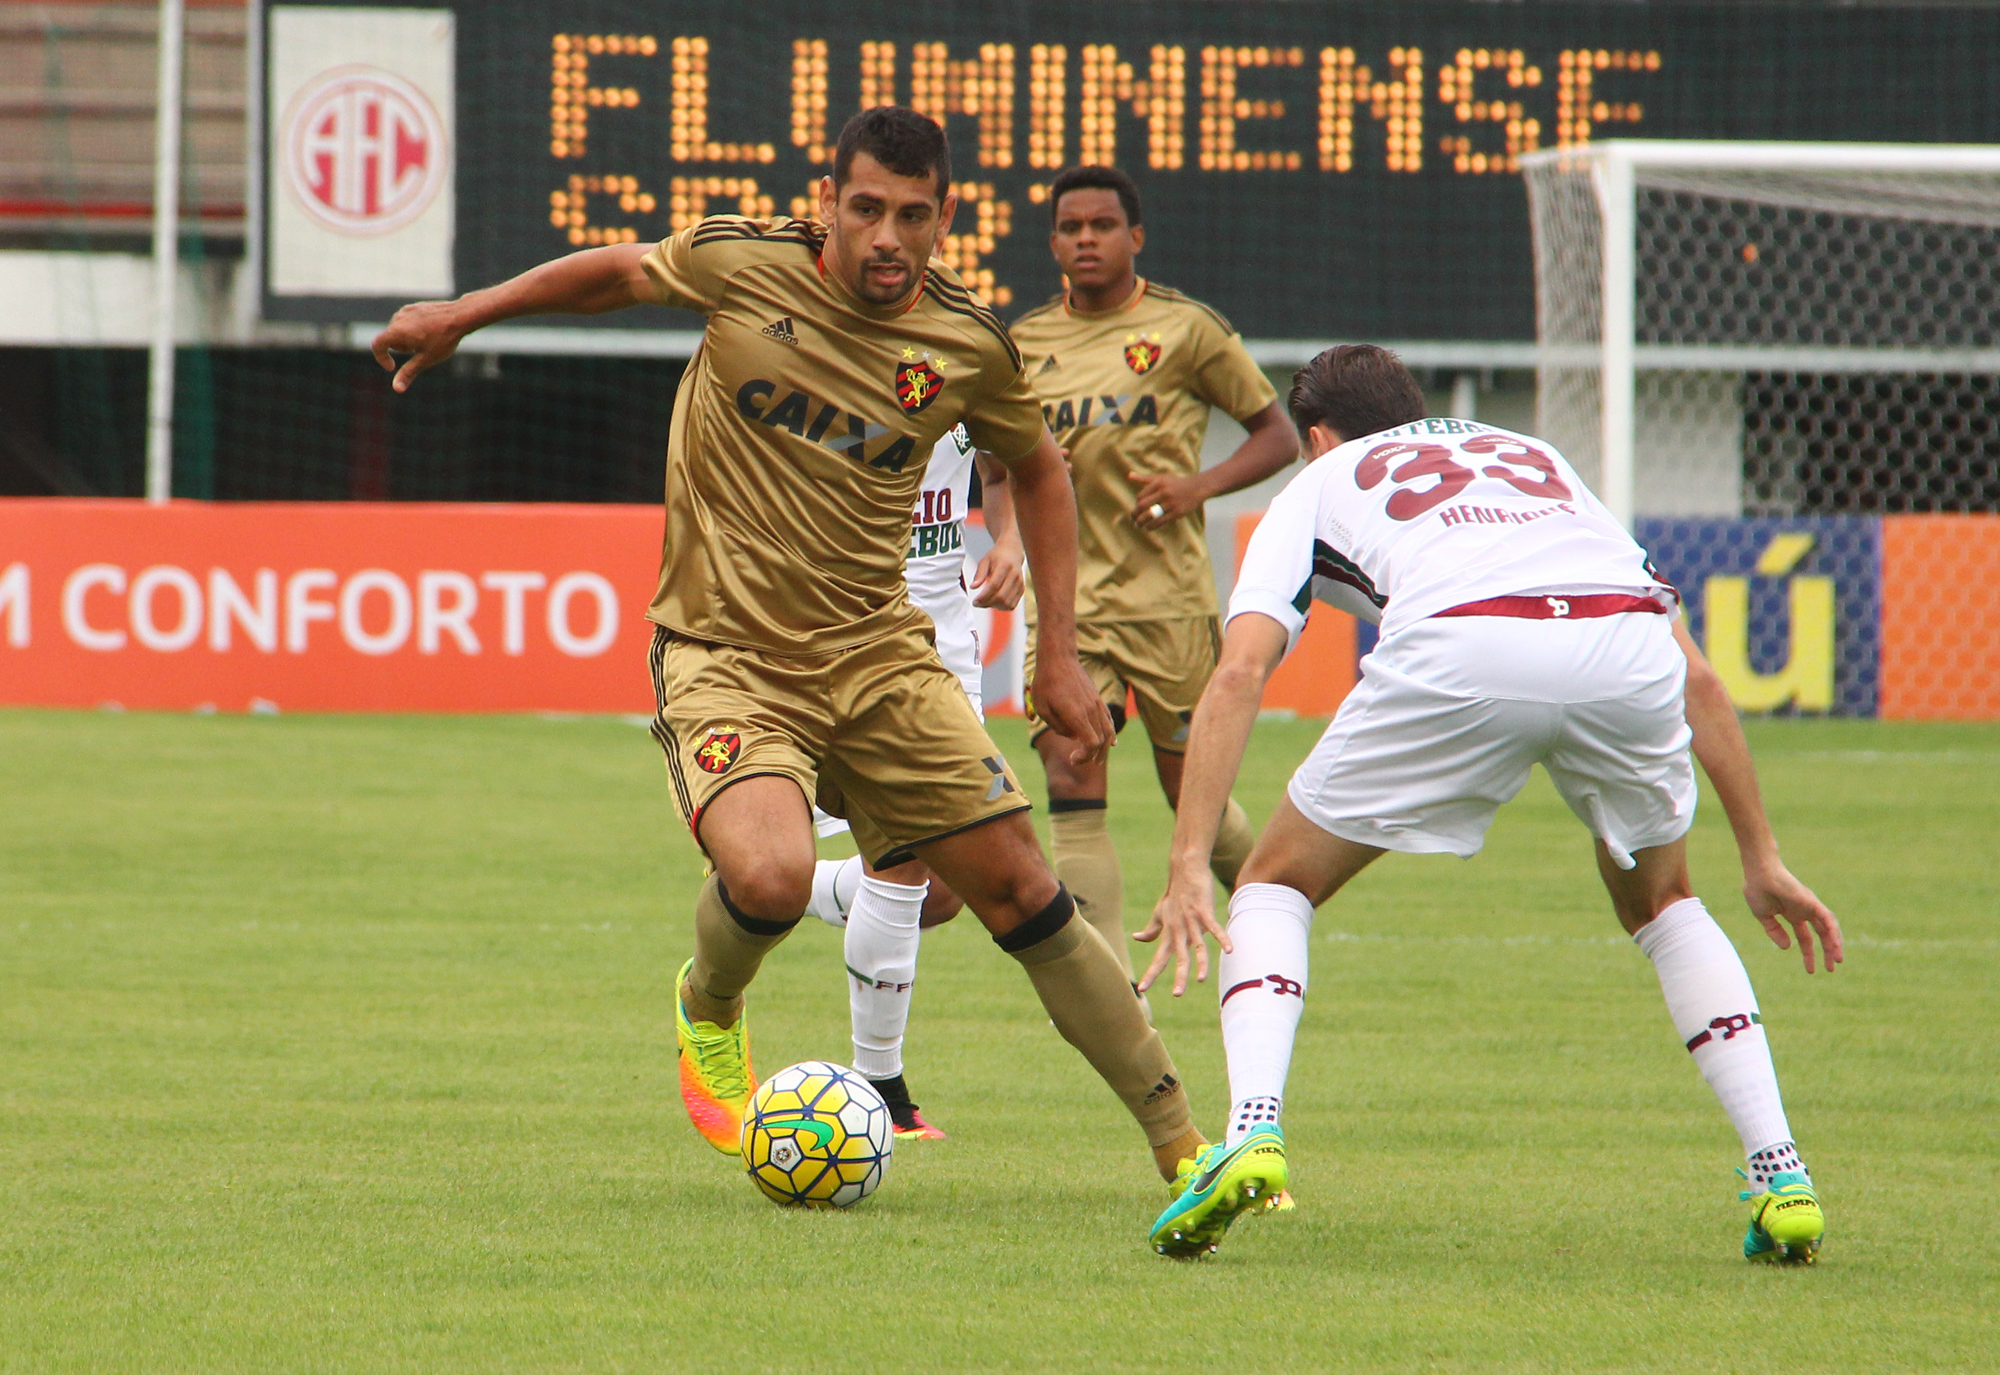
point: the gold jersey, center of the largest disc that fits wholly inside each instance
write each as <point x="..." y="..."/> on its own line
<point x="1127" y="391"/>
<point x="801" y="432"/>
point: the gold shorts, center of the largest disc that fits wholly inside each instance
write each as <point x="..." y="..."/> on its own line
<point x="1165" y="664"/>
<point x="881" y="734"/>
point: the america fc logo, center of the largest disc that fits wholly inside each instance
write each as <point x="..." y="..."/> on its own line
<point x="918" y="381"/>
<point x="718" y="752"/>
<point x="1142" y="354"/>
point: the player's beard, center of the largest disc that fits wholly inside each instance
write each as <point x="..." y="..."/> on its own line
<point x="885" y="295"/>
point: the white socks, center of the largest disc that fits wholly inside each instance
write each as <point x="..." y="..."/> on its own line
<point x="1715" y="1014"/>
<point x="882" y="923"/>
<point x="1767" y="1164"/>
<point x="881" y="952"/>
<point x="835" y="882"/>
<point x="1252" y="1112"/>
<point x="1262" y="984"/>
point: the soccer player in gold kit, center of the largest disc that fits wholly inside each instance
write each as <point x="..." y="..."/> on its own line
<point x="788" y="664"/>
<point x="1126" y="371"/>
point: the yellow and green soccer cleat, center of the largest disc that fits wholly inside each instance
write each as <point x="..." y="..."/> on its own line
<point x="716" y="1078"/>
<point x="1217" y="1187"/>
<point x="1786" y="1223"/>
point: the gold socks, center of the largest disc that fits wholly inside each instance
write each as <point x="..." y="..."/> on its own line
<point x="1086" y="862"/>
<point x="1090" y="1000"/>
<point x="1186" y="1146"/>
<point x="728" y="948"/>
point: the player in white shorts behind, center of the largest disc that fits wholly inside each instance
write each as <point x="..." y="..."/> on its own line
<point x="1520" y="625"/>
<point x="884" y="911"/>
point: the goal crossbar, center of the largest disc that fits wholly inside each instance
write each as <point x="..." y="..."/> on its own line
<point x="1734" y="155"/>
<point x="1617" y="168"/>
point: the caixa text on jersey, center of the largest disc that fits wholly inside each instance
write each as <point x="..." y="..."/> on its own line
<point x="823" y="423"/>
<point x="1073" y="413"/>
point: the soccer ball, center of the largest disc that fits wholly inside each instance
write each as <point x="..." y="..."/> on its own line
<point x="817" y="1136"/>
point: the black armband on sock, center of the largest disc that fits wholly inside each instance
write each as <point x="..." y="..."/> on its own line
<point x="756" y="926"/>
<point x="1075" y="804"/>
<point x="1042" y="925"/>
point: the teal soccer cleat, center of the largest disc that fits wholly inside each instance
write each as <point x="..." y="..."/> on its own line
<point x="1786" y="1224"/>
<point x="1217" y="1187"/>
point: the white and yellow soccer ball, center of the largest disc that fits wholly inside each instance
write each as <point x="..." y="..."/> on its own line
<point x="817" y="1136"/>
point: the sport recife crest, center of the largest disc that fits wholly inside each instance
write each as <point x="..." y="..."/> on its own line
<point x="918" y="381"/>
<point x="718" y="752"/>
<point x="1142" y="353"/>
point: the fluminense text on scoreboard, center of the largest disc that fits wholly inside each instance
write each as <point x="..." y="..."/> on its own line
<point x="1313" y="169"/>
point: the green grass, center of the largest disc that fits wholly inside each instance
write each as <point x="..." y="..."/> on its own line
<point x="342" y="1044"/>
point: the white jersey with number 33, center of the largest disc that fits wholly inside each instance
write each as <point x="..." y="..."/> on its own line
<point x="1398" y="526"/>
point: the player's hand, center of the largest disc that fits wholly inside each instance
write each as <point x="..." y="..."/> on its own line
<point x="1068" y="704"/>
<point x="1000" y="579"/>
<point x="1182" y="923"/>
<point x="1163" y="499"/>
<point x="1777" y="899"/>
<point x="427" y="331"/>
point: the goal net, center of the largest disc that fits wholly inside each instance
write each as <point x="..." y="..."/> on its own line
<point x="1745" y="329"/>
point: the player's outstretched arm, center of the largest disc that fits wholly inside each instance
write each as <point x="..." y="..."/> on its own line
<point x="1220" y="732"/>
<point x="586" y="283"/>
<point x="1045" y="515"/>
<point x="1776" y="898"/>
<point x="1000" y="579"/>
<point x="1271" y="444"/>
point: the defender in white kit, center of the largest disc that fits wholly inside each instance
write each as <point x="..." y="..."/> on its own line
<point x="1520" y="625"/>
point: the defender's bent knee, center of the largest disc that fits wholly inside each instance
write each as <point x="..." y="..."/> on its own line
<point x="1297" y="853"/>
<point x="1656" y="881"/>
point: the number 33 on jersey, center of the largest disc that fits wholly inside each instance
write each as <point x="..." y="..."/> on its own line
<point x="1401" y="525"/>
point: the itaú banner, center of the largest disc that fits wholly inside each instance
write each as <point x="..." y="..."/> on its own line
<point x="1889" y="616"/>
<point x="334" y="606"/>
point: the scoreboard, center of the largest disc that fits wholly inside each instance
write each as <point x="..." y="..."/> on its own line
<point x="1314" y="170"/>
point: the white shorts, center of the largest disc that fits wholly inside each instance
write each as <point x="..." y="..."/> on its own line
<point x="1450" y="714"/>
<point x="958" y="647"/>
<point x="958" y="642"/>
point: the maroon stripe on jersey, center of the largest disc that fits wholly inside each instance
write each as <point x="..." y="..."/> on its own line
<point x="1580" y="607"/>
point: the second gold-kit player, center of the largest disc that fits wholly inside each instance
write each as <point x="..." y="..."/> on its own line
<point x="1127" y="371"/>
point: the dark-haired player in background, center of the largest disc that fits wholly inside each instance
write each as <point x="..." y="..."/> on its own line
<point x="787" y="661"/>
<point x="1126" y="371"/>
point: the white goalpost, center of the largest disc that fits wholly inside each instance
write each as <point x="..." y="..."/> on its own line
<point x="1734" y="328"/>
<point x="166" y="254"/>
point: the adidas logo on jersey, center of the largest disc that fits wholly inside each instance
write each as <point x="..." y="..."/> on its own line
<point x="782" y="331"/>
<point x="1049" y="364"/>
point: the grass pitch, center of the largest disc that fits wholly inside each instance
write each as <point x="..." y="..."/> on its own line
<point x="343" y="1044"/>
